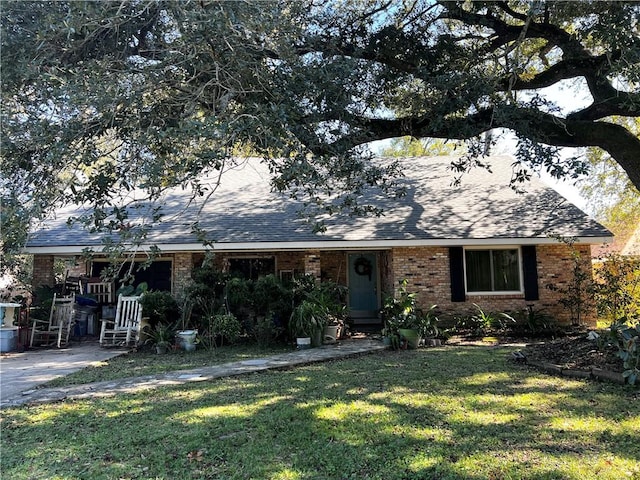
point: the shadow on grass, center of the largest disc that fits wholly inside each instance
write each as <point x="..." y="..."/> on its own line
<point x="438" y="413"/>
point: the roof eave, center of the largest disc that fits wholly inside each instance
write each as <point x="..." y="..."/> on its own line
<point x="317" y="245"/>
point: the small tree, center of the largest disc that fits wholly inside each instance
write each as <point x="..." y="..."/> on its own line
<point x="577" y="295"/>
<point x="617" y="288"/>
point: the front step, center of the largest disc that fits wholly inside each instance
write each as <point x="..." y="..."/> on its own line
<point x="366" y="328"/>
<point x="365" y="321"/>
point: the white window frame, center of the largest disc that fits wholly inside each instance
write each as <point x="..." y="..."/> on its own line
<point x="490" y="292"/>
<point x="287" y="273"/>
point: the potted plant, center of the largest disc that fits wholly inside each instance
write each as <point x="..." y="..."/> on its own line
<point x="160" y="336"/>
<point x="157" y="307"/>
<point x="332" y="330"/>
<point x="306" y="322"/>
<point x="428" y="324"/>
<point x="328" y="303"/>
<point x="187" y="337"/>
<point x="399" y="315"/>
<point x="329" y="297"/>
<point x="409" y="332"/>
<point x="403" y="317"/>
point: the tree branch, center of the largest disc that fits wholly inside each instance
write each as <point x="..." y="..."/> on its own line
<point x="542" y="127"/>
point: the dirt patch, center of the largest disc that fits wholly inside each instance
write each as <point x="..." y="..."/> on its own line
<point x="575" y="352"/>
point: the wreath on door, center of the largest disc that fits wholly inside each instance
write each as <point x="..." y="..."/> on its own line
<point x="363" y="267"/>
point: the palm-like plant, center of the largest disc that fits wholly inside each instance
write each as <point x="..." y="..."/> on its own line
<point x="307" y="318"/>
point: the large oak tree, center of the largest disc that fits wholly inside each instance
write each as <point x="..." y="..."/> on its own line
<point x="100" y="98"/>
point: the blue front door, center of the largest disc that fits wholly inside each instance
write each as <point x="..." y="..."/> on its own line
<point x="364" y="303"/>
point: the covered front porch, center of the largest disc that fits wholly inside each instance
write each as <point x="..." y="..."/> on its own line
<point x="367" y="274"/>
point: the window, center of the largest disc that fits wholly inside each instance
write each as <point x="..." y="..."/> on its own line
<point x="252" y="268"/>
<point x="287" y="275"/>
<point x="493" y="270"/>
<point x="157" y="275"/>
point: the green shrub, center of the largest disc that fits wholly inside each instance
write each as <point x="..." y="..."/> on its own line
<point x="628" y="338"/>
<point x="238" y="294"/>
<point x="270" y="296"/>
<point x="160" y="307"/>
<point x="479" y="323"/>
<point x="533" y="322"/>
<point x="266" y="331"/>
<point x="221" y="328"/>
<point x="207" y="291"/>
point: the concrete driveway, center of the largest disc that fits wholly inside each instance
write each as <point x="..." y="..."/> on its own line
<point x="20" y="372"/>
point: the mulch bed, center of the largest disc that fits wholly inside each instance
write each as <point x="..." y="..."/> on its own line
<point x="571" y="351"/>
<point x="575" y="352"/>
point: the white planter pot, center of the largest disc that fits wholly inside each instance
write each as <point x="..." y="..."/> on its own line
<point x="303" y="343"/>
<point x="187" y="339"/>
<point x="331" y="334"/>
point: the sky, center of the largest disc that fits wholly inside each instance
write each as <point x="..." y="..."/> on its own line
<point x="569" y="96"/>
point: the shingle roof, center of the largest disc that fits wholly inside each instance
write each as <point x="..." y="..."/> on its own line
<point x="244" y="210"/>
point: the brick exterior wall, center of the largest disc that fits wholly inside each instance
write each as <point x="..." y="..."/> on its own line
<point x="427" y="271"/>
<point x="555" y="267"/>
<point x="289" y="261"/>
<point x="425" y="268"/>
<point x="334" y="266"/>
<point x="79" y="268"/>
<point x="312" y="264"/>
<point x="43" y="274"/>
<point x="428" y="274"/>
<point x="183" y="264"/>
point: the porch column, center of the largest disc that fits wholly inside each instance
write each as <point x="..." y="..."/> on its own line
<point x="312" y="264"/>
<point x="182" y="268"/>
<point x="43" y="274"/>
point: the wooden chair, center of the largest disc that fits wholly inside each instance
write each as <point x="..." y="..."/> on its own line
<point x="101" y="291"/>
<point x="71" y="285"/>
<point x="125" y="328"/>
<point x="55" y="330"/>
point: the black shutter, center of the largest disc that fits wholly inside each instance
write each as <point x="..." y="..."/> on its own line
<point x="456" y="267"/>
<point x="530" y="271"/>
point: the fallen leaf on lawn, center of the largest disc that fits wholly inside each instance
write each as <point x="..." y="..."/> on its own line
<point x="196" y="456"/>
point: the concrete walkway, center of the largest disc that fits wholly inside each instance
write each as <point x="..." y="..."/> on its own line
<point x="17" y="397"/>
<point x="25" y="371"/>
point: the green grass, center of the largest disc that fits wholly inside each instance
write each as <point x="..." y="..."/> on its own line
<point x="147" y="362"/>
<point x="452" y="412"/>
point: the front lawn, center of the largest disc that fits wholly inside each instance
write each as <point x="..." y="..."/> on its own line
<point x="452" y="412"/>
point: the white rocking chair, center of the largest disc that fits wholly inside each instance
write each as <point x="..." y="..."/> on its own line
<point x="55" y="330"/>
<point x="125" y="328"/>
